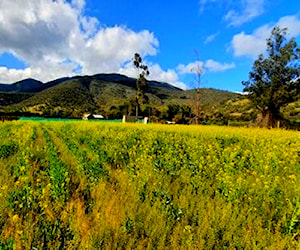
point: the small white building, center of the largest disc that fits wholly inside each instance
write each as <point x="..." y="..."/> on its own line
<point x="134" y="119"/>
<point x="92" y="117"/>
<point x="98" y="116"/>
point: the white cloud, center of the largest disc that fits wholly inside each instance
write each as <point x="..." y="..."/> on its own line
<point x="78" y="4"/>
<point x="55" y="38"/>
<point x="250" y="45"/>
<point x="14" y="75"/>
<point x="237" y="12"/>
<point x="211" y="37"/>
<point x="292" y="23"/>
<point x="254" y="44"/>
<point x="249" y="10"/>
<point x="204" y="3"/>
<point x="156" y="73"/>
<point x="190" y="68"/>
<point x="111" y="47"/>
<point x="169" y="76"/>
<point x="213" y="66"/>
<point x="210" y="65"/>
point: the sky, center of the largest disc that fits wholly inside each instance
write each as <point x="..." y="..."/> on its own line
<point x="49" y="39"/>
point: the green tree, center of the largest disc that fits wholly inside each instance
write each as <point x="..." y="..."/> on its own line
<point x="141" y="82"/>
<point x="180" y="114"/>
<point x="274" y="79"/>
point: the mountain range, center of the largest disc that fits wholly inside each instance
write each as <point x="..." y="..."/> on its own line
<point x="79" y="94"/>
<point x="33" y="86"/>
<point x="114" y="94"/>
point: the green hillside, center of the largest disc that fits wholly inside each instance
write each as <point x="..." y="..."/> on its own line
<point x="113" y="96"/>
<point x="9" y="98"/>
<point x="71" y="97"/>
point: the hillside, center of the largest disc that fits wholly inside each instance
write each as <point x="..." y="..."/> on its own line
<point x="113" y="95"/>
<point x="27" y="85"/>
<point x="105" y="93"/>
<point x="9" y="98"/>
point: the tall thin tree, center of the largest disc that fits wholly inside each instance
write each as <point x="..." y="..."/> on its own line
<point x="141" y="82"/>
<point x="197" y="69"/>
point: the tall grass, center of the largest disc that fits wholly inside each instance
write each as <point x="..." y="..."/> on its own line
<point x="110" y="186"/>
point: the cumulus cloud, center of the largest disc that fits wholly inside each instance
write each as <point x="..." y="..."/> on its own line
<point x="156" y="74"/>
<point x="248" y="11"/>
<point x="8" y="75"/>
<point x="14" y="75"/>
<point x="190" y="68"/>
<point x="292" y="23"/>
<point x="254" y="44"/>
<point x="56" y="38"/>
<point x="250" y="45"/>
<point x="169" y="76"/>
<point x="214" y="66"/>
<point x="209" y="66"/>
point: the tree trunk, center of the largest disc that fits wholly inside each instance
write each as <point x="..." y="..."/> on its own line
<point x="137" y="107"/>
<point x="267" y="119"/>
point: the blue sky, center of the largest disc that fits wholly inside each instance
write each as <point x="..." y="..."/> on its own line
<point x="48" y="39"/>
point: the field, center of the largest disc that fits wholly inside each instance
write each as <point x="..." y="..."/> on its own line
<point x="66" y="185"/>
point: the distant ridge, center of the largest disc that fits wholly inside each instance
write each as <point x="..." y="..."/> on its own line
<point x="26" y="85"/>
<point x="112" y="95"/>
<point x="33" y="86"/>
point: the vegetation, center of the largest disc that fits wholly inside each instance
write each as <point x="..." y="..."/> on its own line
<point x="275" y="79"/>
<point x="9" y="98"/>
<point x="106" y="186"/>
<point x="114" y="96"/>
<point x="141" y="82"/>
<point x="273" y="86"/>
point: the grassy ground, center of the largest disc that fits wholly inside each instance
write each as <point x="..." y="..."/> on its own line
<point x="109" y="186"/>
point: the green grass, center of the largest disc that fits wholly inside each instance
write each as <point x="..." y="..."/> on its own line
<point x="124" y="186"/>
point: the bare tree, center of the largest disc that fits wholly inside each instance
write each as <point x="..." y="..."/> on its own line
<point x="197" y="69"/>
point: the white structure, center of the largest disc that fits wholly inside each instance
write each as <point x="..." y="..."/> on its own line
<point x="134" y="119"/>
<point x="98" y="116"/>
<point x="92" y="116"/>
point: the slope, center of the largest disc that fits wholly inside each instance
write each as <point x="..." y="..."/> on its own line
<point x="71" y="97"/>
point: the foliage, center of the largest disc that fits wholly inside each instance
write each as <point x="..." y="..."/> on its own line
<point x="180" y="114"/>
<point x="8" y="149"/>
<point x="275" y="79"/>
<point x="7" y="98"/>
<point x="114" y="96"/>
<point x="141" y="82"/>
<point x="109" y="186"/>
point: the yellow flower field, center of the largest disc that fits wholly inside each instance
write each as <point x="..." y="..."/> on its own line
<point x="82" y="185"/>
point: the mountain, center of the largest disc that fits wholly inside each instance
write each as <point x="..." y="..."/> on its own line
<point x="27" y="85"/>
<point x="109" y="94"/>
<point x="99" y="85"/>
<point x="9" y="98"/>
<point x="33" y="86"/>
<point x="113" y="95"/>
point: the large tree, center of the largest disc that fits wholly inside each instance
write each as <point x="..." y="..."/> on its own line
<point x="141" y="82"/>
<point x="275" y="77"/>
